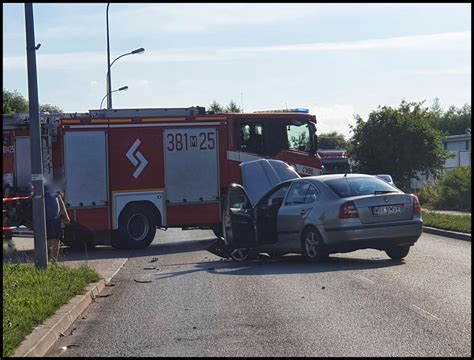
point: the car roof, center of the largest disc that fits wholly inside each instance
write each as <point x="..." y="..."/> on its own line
<point x="327" y="177"/>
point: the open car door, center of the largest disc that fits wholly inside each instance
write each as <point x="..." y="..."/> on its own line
<point x="238" y="221"/>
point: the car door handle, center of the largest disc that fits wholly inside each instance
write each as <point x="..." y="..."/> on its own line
<point x="303" y="211"/>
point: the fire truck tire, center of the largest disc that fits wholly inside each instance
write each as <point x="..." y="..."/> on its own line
<point x="137" y="227"/>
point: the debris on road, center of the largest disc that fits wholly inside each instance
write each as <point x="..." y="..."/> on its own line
<point x="142" y="280"/>
<point x="103" y="295"/>
<point x="153" y="259"/>
<point x="109" y="284"/>
<point x="149" y="268"/>
<point x="323" y="287"/>
<point x="69" y="346"/>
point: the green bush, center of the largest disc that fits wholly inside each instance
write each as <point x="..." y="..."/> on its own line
<point x="455" y="190"/>
<point x="428" y="196"/>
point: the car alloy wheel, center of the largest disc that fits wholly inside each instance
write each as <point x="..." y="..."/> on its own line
<point x="239" y="254"/>
<point x="311" y="244"/>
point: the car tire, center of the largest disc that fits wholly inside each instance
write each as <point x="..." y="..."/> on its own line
<point x="398" y="252"/>
<point x="312" y="245"/>
<point x="137" y="227"/>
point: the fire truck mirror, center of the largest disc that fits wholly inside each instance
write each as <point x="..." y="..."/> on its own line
<point x="315" y="143"/>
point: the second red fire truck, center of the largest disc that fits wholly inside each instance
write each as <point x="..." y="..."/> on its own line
<point x="127" y="172"/>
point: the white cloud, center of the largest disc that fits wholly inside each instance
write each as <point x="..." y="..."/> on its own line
<point x="446" y="71"/>
<point x="334" y="118"/>
<point x="433" y="41"/>
<point x="440" y="42"/>
<point x="198" y="17"/>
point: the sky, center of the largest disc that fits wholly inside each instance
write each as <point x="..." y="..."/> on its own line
<point x="337" y="60"/>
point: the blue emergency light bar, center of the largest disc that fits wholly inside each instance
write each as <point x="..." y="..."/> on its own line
<point x="298" y="110"/>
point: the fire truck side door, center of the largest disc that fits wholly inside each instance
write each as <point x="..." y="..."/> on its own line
<point x="238" y="222"/>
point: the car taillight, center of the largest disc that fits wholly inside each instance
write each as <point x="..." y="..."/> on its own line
<point x="348" y="210"/>
<point x="416" y="205"/>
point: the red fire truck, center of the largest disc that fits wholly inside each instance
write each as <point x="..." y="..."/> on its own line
<point x="334" y="161"/>
<point x="127" y="172"/>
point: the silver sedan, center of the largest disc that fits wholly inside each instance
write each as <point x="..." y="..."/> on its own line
<point x="324" y="214"/>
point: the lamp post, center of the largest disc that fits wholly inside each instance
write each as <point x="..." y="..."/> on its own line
<point x="109" y="65"/>
<point x="109" y="100"/>
<point x="119" y="89"/>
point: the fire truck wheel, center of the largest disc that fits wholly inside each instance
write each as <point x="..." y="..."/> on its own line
<point x="137" y="227"/>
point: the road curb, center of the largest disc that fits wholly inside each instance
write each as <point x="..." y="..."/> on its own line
<point x="447" y="233"/>
<point x="45" y="335"/>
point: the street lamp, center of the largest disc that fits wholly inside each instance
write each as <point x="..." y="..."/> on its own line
<point x="119" y="89"/>
<point x="109" y="65"/>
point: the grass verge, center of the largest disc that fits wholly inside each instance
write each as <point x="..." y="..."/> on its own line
<point x="460" y="223"/>
<point x="30" y="296"/>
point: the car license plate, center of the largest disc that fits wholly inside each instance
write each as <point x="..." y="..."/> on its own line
<point x="387" y="210"/>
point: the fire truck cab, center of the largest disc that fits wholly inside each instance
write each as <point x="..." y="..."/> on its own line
<point x="128" y="172"/>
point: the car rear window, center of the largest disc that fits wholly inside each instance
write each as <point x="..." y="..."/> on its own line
<point x="347" y="187"/>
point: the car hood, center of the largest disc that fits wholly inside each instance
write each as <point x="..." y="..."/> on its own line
<point x="260" y="176"/>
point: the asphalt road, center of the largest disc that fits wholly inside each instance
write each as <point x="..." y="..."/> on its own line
<point x="354" y="304"/>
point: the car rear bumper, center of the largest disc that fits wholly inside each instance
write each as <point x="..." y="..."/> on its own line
<point x="376" y="236"/>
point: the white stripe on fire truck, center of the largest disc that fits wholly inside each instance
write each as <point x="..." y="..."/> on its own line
<point x="98" y="126"/>
<point x="164" y="124"/>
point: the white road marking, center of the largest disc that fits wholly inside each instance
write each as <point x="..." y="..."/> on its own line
<point x="364" y="279"/>
<point x="424" y="313"/>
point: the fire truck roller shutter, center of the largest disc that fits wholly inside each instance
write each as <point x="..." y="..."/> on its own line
<point x="137" y="224"/>
<point x="85" y="159"/>
<point x="191" y="165"/>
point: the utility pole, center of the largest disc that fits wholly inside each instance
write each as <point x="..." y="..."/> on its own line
<point x="39" y="218"/>
<point x="109" y="79"/>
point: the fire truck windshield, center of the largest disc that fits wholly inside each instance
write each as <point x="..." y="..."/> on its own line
<point x="271" y="136"/>
<point x="299" y="136"/>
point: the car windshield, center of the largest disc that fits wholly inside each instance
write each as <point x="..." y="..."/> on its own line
<point x="355" y="186"/>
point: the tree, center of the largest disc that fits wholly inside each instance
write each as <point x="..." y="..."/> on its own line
<point x="216" y="108"/>
<point x="219" y="109"/>
<point x="455" y="121"/>
<point x="53" y="109"/>
<point x="332" y="140"/>
<point x="232" y="108"/>
<point x="398" y="141"/>
<point x="14" y="103"/>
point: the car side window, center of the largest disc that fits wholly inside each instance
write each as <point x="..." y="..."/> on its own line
<point x="311" y="195"/>
<point x="297" y="193"/>
<point x="277" y="196"/>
